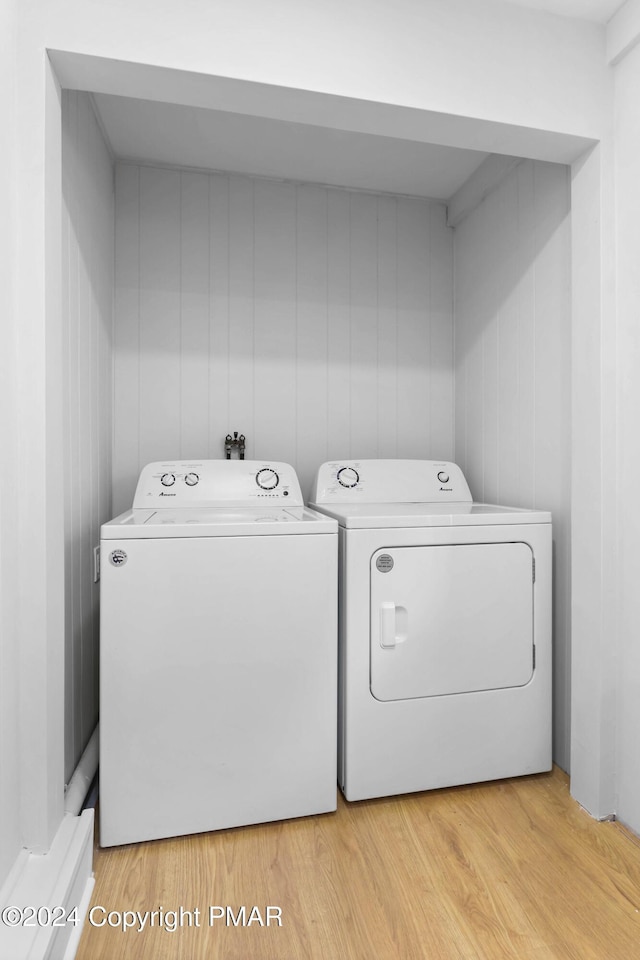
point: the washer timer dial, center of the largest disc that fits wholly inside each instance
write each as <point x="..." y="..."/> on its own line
<point x="267" y="479"/>
<point x="191" y="479"/>
<point x="348" y="477"/>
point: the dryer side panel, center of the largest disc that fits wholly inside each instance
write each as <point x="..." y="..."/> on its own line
<point x="450" y="619"/>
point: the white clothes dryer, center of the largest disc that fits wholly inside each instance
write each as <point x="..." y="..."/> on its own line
<point x="444" y="629"/>
<point x="218" y="653"/>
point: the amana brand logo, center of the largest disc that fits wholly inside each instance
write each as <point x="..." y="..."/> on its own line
<point x="118" y="558"/>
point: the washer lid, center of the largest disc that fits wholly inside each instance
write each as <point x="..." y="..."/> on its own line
<point x="227" y="520"/>
<point x="374" y="515"/>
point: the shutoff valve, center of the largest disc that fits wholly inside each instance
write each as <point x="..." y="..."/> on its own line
<point x="234" y="442"/>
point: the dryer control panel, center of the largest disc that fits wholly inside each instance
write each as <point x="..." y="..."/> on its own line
<point x="390" y="481"/>
<point x="197" y="483"/>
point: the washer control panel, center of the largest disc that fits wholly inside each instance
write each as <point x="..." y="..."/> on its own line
<point x="205" y="482"/>
<point x="390" y="481"/>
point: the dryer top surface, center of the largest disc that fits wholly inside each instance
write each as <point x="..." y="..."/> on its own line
<point x="384" y="515"/>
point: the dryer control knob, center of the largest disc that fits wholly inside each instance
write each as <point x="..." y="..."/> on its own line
<point x="443" y="477"/>
<point x="167" y="479"/>
<point x="191" y="479"/>
<point x="267" y="479"/>
<point x="348" y="477"/>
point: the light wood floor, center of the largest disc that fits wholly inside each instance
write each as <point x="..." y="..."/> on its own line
<point x="510" y="869"/>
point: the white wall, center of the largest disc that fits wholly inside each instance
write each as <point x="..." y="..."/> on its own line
<point x="513" y="371"/>
<point x="318" y="322"/>
<point x="622" y="478"/>
<point x="10" y="829"/>
<point x="87" y="307"/>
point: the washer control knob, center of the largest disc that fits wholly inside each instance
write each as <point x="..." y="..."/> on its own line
<point x="267" y="479"/>
<point x="348" y="477"/>
<point x="443" y="477"/>
<point x="167" y="479"/>
<point x="191" y="479"/>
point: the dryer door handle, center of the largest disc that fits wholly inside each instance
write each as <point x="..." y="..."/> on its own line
<point x="387" y="624"/>
<point x="394" y="624"/>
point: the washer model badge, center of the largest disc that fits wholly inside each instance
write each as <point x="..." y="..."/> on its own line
<point x="384" y="563"/>
<point x="118" y="558"/>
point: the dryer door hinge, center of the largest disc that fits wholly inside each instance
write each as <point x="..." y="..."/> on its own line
<point x="533" y="569"/>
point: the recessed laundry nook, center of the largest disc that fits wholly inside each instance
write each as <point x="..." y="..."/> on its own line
<point x="323" y="320"/>
<point x="330" y="597"/>
<point x="412" y="304"/>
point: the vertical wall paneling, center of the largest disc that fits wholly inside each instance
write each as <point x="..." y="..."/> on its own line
<point x="484" y="440"/>
<point x="311" y="324"/>
<point x="126" y="373"/>
<point x="318" y="321"/>
<point x="387" y="383"/>
<point x="194" y="315"/>
<point x="530" y="208"/>
<point x="275" y="328"/>
<point x="506" y="230"/>
<point x="363" y="320"/>
<point x="241" y="238"/>
<point x="87" y="250"/>
<point x="441" y="340"/>
<point x="338" y="399"/>
<point x="160" y="329"/>
<point x="513" y="370"/>
<point x="413" y="340"/>
<point x="219" y="315"/>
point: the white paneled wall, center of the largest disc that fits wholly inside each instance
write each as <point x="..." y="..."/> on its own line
<point x="316" y="321"/>
<point x="87" y="252"/>
<point x="513" y="370"/>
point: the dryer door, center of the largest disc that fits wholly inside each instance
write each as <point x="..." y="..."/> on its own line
<point x="451" y="619"/>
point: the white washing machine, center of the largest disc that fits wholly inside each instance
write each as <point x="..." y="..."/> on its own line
<point x="444" y="629"/>
<point x="218" y="653"/>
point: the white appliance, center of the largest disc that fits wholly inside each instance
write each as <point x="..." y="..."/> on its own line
<point x="218" y="653"/>
<point x="444" y="629"/>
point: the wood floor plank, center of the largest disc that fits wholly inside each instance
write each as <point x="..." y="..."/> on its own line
<point x="512" y="869"/>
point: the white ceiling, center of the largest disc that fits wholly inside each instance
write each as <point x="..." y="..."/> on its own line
<point x="598" y="10"/>
<point x="153" y="132"/>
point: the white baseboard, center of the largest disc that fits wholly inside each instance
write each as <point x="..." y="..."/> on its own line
<point x="60" y="878"/>
<point x="83" y="909"/>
